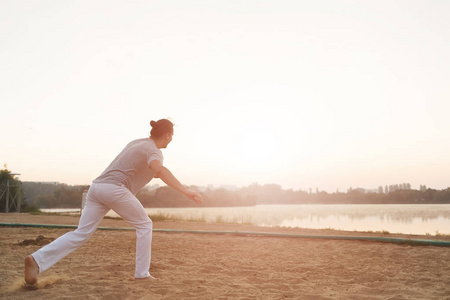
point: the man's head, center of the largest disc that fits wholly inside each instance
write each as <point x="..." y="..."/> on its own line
<point x="162" y="132"/>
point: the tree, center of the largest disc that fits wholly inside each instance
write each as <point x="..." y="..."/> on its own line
<point x="380" y="190"/>
<point x="63" y="196"/>
<point x="11" y="194"/>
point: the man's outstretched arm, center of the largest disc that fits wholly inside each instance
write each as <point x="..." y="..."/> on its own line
<point x="165" y="175"/>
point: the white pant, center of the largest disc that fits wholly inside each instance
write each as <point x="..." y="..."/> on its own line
<point x="100" y="199"/>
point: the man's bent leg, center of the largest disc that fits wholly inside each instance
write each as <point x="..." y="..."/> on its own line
<point x="132" y="211"/>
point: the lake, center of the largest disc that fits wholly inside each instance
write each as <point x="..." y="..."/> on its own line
<point x="409" y="219"/>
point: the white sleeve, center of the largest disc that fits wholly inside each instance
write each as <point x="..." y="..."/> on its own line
<point x="155" y="156"/>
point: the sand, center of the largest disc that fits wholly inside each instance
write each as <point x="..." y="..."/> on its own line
<point x="198" y="266"/>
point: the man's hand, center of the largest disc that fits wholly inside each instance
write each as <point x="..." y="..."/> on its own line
<point x="194" y="196"/>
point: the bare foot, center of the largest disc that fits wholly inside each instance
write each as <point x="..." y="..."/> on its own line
<point x="31" y="270"/>
<point x="146" y="278"/>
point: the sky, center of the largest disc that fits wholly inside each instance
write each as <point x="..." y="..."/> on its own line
<point x="303" y="94"/>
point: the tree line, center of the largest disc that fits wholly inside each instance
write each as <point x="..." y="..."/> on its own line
<point x="53" y="195"/>
<point x="33" y="195"/>
<point x="48" y="195"/>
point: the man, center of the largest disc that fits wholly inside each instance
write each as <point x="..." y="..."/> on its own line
<point x="138" y="163"/>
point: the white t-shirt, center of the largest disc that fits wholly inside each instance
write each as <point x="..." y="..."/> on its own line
<point x="131" y="168"/>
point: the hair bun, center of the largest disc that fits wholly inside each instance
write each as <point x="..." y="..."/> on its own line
<point x="160" y="128"/>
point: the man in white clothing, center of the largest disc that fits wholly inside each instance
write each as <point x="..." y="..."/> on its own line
<point x="138" y="163"/>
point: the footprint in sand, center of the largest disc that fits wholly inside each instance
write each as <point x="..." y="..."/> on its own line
<point x="42" y="283"/>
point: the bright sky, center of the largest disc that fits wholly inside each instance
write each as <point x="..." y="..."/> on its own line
<point x="327" y="94"/>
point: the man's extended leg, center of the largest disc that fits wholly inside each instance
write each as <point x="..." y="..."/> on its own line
<point x="31" y="270"/>
<point x="50" y="254"/>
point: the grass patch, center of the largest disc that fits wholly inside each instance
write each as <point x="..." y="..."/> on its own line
<point x="33" y="210"/>
<point x="441" y="235"/>
<point x="112" y="218"/>
<point x="67" y="214"/>
<point x="160" y="216"/>
<point x="371" y="231"/>
<point x="246" y="220"/>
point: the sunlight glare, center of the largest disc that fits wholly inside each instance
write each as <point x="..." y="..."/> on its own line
<point x="256" y="145"/>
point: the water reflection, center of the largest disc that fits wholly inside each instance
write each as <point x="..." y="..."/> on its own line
<point x="409" y="219"/>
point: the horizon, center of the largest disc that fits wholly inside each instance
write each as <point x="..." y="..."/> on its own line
<point x="152" y="185"/>
<point x="327" y="94"/>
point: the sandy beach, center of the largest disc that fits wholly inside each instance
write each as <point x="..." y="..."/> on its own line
<point x="213" y="266"/>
